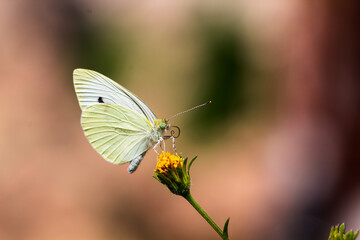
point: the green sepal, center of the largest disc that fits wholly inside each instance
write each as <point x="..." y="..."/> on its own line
<point x="332" y="230"/>
<point x="342" y="229"/>
<point x="174" y="176"/>
<point x="166" y="181"/>
<point x="191" y="162"/>
<point x="349" y="236"/>
<point x="180" y="173"/>
<point x="184" y="165"/>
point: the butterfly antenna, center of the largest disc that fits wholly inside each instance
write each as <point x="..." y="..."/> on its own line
<point x="201" y="105"/>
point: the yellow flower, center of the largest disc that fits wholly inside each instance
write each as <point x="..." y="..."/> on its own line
<point x="168" y="161"/>
<point x="173" y="171"/>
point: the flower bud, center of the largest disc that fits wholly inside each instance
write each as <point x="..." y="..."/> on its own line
<point x="338" y="233"/>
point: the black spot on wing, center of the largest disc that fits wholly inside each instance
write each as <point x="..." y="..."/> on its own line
<point x="100" y="100"/>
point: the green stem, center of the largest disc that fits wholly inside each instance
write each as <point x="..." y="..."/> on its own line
<point x="192" y="201"/>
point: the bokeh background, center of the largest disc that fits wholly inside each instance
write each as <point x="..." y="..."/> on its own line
<point x="278" y="148"/>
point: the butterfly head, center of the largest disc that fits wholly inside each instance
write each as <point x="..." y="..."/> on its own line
<point x="162" y="124"/>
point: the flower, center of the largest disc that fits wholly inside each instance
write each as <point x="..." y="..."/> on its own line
<point x="173" y="171"/>
<point x="167" y="161"/>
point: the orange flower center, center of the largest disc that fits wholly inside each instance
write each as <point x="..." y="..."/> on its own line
<point x="167" y="161"/>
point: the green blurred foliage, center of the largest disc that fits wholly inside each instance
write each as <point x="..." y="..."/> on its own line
<point x="99" y="49"/>
<point x="84" y="40"/>
<point x="91" y="42"/>
<point x="223" y="66"/>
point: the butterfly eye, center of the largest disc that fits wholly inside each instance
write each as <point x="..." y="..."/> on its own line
<point x="162" y="125"/>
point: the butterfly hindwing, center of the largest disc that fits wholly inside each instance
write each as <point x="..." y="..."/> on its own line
<point x="118" y="133"/>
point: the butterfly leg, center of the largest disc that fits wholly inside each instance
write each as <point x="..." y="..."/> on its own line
<point x="157" y="144"/>
<point x="173" y="142"/>
<point x="164" y="144"/>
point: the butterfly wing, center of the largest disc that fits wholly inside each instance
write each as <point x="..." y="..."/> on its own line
<point x="116" y="132"/>
<point x="92" y="87"/>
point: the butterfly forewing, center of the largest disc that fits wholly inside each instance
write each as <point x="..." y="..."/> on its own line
<point x="92" y="88"/>
<point x="118" y="133"/>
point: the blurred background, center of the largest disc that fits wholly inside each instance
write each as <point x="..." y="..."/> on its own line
<point x="278" y="148"/>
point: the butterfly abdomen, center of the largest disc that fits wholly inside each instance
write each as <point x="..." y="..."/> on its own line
<point x="134" y="164"/>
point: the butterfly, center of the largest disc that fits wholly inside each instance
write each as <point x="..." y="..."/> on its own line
<point x="119" y="126"/>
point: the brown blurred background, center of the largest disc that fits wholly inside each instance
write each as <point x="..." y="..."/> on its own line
<point x="278" y="147"/>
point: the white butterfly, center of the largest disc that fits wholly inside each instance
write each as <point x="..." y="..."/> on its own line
<point x="117" y="123"/>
